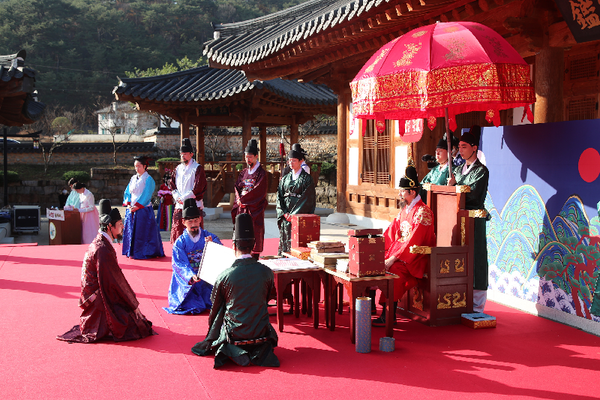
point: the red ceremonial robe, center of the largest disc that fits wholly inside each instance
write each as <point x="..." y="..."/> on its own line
<point x="412" y="226"/>
<point x="251" y="198"/>
<point x="107" y="300"/>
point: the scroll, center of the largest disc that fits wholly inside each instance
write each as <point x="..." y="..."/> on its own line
<point x="216" y="258"/>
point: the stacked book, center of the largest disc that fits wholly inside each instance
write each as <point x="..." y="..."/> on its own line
<point x="327" y="252"/>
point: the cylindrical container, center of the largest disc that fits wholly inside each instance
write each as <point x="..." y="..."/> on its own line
<point x="387" y="344"/>
<point x="363" y="324"/>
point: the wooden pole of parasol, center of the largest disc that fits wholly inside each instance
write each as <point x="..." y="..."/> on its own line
<point x="449" y="141"/>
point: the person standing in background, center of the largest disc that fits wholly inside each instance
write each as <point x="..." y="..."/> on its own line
<point x="88" y="212"/>
<point x="141" y="238"/>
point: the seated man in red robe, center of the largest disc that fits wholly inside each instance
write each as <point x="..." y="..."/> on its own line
<point x="413" y="226"/>
<point x="109" y="307"/>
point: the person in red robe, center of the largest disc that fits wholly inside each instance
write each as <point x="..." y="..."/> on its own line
<point x="251" y="195"/>
<point x="165" y="211"/>
<point x="109" y="306"/>
<point x="413" y="226"/>
<point x="188" y="181"/>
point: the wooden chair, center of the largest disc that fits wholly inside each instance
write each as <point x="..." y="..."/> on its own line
<point x="446" y="290"/>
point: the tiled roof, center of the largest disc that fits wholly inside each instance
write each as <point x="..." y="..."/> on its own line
<point x="205" y="84"/>
<point x="24" y="108"/>
<point x="249" y="41"/>
<point x="27" y="147"/>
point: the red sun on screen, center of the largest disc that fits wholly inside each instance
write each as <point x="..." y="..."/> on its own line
<point x="589" y="165"/>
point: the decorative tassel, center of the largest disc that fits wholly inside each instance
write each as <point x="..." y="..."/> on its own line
<point x="431" y="122"/>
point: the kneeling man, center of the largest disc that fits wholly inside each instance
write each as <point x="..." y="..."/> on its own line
<point x="239" y="327"/>
<point x="188" y="294"/>
<point x="109" y="306"/>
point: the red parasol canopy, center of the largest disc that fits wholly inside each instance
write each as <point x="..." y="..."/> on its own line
<point x="440" y="70"/>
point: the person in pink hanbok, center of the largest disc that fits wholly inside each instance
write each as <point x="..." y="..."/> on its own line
<point x="89" y="214"/>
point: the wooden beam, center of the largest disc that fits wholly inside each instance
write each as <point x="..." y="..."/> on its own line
<point x="560" y="35"/>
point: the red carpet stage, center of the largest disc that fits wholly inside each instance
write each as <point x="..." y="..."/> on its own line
<point x="525" y="357"/>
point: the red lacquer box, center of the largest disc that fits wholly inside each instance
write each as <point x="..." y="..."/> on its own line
<point x="305" y="228"/>
<point x="366" y="252"/>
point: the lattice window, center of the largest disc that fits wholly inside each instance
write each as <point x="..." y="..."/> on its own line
<point x="583" y="67"/>
<point x="376" y="155"/>
<point x="582" y="108"/>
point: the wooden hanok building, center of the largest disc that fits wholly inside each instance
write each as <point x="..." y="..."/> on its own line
<point x="328" y="41"/>
<point x="206" y="96"/>
<point x="18" y="99"/>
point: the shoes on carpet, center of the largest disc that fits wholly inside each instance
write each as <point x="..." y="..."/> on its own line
<point x="379" y="322"/>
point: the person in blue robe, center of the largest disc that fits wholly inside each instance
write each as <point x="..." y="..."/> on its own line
<point x="141" y="237"/>
<point x="187" y="293"/>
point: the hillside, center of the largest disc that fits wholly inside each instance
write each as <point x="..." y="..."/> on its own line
<point x="80" y="47"/>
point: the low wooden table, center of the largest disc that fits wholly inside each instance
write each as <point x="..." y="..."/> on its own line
<point x="312" y="277"/>
<point x="356" y="287"/>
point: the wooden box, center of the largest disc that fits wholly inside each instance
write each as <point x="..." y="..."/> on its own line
<point x="478" y="320"/>
<point x="305" y="228"/>
<point x="367" y="255"/>
<point x="327" y="259"/>
<point x="300" y="252"/>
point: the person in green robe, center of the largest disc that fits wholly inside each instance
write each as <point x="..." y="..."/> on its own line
<point x="438" y="175"/>
<point x="239" y="327"/>
<point x="295" y="195"/>
<point x="475" y="175"/>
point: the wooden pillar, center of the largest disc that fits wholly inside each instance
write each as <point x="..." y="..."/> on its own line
<point x="342" y="147"/>
<point x="246" y="129"/>
<point x="263" y="145"/>
<point x="200" y="144"/>
<point x="184" y="128"/>
<point x="293" y="132"/>
<point x="549" y="78"/>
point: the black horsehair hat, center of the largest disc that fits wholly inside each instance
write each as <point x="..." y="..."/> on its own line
<point x="108" y="215"/>
<point x="443" y="143"/>
<point x="410" y="180"/>
<point x="297" y="152"/>
<point x="252" y="147"/>
<point x="190" y="209"/>
<point x="472" y="136"/>
<point x="186" y="146"/>
<point x="244" y="229"/>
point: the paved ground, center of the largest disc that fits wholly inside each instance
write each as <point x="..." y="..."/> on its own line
<point x="222" y="227"/>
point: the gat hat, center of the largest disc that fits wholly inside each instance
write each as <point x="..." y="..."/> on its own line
<point x="78" y="185"/>
<point x="72" y="181"/>
<point x="410" y="180"/>
<point x="190" y="209"/>
<point x="472" y="136"/>
<point x="108" y="215"/>
<point x="443" y="143"/>
<point x="252" y="147"/>
<point x="186" y="146"/>
<point x="244" y="229"/>
<point x="297" y="152"/>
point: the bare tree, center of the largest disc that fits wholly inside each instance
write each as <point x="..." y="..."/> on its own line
<point x="214" y="141"/>
<point x="125" y="120"/>
<point x="54" y="127"/>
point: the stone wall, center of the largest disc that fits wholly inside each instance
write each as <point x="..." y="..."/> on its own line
<point x="326" y="195"/>
<point x="79" y="153"/>
<point x="105" y="184"/>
